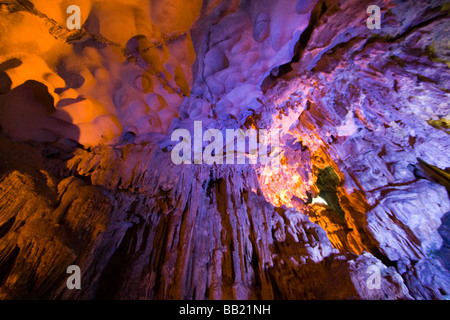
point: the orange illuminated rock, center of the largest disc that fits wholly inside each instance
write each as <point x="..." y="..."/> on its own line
<point x="358" y="207"/>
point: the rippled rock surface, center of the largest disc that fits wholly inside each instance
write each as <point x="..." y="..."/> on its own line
<point x="359" y="208"/>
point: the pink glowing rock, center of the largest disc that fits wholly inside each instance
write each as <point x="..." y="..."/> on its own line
<point x="357" y="209"/>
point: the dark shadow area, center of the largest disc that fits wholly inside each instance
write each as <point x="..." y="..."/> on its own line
<point x="318" y="11"/>
<point x="328" y="182"/>
<point x="444" y="231"/>
<point x="28" y="113"/>
<point x="41" y="95"/>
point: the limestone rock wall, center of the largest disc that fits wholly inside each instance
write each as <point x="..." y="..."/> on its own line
<point x="364" y="180"/>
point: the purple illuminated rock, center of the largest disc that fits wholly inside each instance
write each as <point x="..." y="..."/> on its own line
<point x="358" y="210"/>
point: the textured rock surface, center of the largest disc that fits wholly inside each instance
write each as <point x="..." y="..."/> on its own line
<point x="100" y="87"/>
<point x="202" y="233"/>
<point x="364" y="176"/>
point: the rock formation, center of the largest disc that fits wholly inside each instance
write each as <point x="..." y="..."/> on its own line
<point x="87" y="178"/>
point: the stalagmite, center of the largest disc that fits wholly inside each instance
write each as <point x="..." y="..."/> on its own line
<point x="116" y="141"/>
